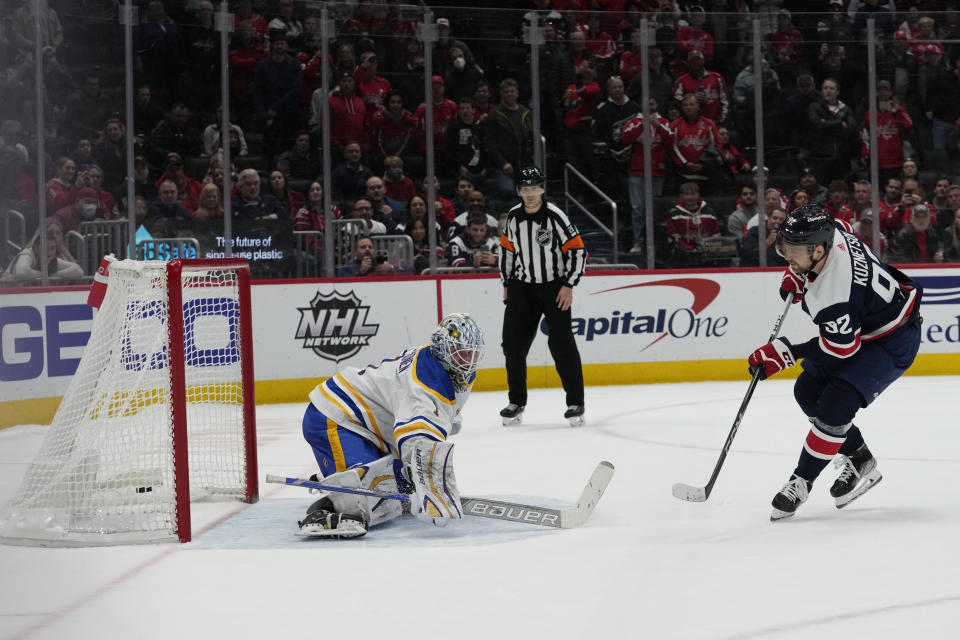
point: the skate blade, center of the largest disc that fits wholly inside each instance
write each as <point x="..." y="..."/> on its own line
<point x="316" y="530"/>
<point x="577" y="421"/>
<point x="869" y="482"/>
<point x="777" y="514"/>
<point x="508" y="422"/>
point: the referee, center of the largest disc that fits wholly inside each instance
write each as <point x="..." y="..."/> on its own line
<point x="542" y="260"/>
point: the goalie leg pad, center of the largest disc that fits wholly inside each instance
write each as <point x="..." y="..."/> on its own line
<point x="434" y="483"/>
<point x="381" y="475"/>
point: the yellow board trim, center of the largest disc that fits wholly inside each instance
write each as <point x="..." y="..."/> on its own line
<point x="42" y="410"/>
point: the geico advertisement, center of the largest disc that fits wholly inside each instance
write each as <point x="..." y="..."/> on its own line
<point x="42" y="338"/>
<point x="314" y="330"/>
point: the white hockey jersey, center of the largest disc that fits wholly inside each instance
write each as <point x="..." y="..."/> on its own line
<point x="388" y="403"/>
<point x="856" y="298"/>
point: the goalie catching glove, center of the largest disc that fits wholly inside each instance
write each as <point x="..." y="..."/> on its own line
<point x="429" y="467"/>
<point x="771" y="358"/>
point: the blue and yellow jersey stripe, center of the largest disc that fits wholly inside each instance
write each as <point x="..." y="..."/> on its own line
<point x="371" y="419"/>
<point x="416" y="427"/>
<point x="341" y="394"/>
<point x="429" y="374"/>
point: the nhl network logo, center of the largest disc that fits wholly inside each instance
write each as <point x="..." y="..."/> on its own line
<point x="335" y="325"/>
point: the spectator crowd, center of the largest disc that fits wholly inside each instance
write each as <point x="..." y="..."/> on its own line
<point x="702" y="87"/>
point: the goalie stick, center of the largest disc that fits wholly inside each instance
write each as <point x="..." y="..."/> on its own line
<point x="497" y="509"/>
<point x="700" y="494"/>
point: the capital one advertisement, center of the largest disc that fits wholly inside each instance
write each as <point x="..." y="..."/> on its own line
<point x="687" y="316"/>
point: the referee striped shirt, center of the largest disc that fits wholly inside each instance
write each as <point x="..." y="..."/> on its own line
<point x="541" y="247"/>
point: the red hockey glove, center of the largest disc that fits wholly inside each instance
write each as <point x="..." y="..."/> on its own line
<point x="792" y="285"/>
<point x="771" y="358"/>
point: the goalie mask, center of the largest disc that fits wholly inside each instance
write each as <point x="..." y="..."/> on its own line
<point x="457" y="343"/>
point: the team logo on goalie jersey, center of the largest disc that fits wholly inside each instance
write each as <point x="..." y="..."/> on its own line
<point x="335" y="325"/>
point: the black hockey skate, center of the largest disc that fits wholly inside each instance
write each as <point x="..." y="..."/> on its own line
<point x="322" y="521"/>
<point x="858" y="474"/>
<point x="512" y="414"/>
<point x="793" y="494"/>
<point x="574" y="414"/>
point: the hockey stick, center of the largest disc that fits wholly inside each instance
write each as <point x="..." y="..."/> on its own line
<point x="498" y="509"/>
<point x="700" y="494"/>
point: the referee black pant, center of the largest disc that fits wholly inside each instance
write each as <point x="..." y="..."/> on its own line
<point x="526" y="304"/>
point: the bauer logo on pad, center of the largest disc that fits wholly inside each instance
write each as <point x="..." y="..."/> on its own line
<point x="335" y="325"/>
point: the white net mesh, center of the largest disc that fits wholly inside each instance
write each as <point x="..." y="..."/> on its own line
<point x="105" y="472"/>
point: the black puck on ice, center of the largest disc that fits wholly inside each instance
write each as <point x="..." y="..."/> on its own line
<point x="144" y="489"/>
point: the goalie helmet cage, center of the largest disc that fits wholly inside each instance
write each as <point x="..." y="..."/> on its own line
<point x="159" y="412"/>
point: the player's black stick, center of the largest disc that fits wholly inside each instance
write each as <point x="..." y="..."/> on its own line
<point x="700" y="494"/>
<point x="497" y="509"/>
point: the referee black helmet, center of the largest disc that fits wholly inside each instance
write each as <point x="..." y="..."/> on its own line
<point x="530" y="177"/>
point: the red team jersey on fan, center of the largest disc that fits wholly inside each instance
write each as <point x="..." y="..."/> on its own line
<point x="892" y="126"/>
<point x="690" y="39"/>
<point x="392" y="134"/>
<point x="443" y="113"/>
<point x="630" y="65"/>
<point x="691" y="140"/>
<point x="580" y="103"/>
<point x="688" y="227"/>
<point x="348" y="118"/>
<point x="373" y="91"/>
<point x="662" y="139"/>
<point x="715" y="104"/>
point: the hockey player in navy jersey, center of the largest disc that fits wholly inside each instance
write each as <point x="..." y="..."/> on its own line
<point x="868" y="318"/>
<point x="385" y="427"/>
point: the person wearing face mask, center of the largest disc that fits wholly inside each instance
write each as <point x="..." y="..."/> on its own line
<point x="83" y="209"/>
<point x="462" y="76"/>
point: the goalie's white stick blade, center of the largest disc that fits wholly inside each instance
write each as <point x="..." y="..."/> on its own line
<point x="576" y="516"/>
<point x="688" y="493"/>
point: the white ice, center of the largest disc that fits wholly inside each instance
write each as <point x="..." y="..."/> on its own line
<point x="645" y="565"/>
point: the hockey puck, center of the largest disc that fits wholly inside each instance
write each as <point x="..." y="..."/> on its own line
<point x="144" y="489"/>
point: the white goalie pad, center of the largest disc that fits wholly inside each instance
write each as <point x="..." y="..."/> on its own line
<point x="435" y="485"/>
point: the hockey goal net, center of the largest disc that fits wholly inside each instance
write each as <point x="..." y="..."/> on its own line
<point x="160" y="412"/>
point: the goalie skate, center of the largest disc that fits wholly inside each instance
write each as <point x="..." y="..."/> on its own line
<point x="322" y="522"/>
<point x="512" y="414"/>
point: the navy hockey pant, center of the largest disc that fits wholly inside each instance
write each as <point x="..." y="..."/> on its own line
<point x="335" y="448"/>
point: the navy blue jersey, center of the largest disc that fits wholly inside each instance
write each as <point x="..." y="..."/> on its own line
<point x="856" y="298"/>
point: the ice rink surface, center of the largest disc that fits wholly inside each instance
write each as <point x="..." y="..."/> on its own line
<point x="645" y="565"/>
